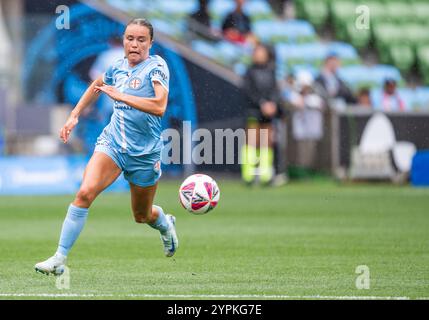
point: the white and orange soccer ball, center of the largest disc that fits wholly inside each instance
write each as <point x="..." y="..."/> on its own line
<point x="199" y="194"/>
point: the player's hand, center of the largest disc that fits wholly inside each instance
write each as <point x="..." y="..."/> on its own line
<point x="68" y="128"/>
<point x="268" y="109"/>
<point x="111" y="91"/>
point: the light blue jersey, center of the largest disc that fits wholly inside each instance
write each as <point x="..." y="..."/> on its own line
<point x="130" y="130"/>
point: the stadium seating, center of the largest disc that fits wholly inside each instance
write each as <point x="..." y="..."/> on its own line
<point x="415" y="99"/>
<point x="359" y="38"/>
<point x="342" y="12"/>
<point x="130" y="5"/>
<point x="205" y="48"/>
<point x="315" y="11"/>
<point x="422" y="98"/>
<point x="423" y="61"/>
<point x="357" y="76"/>
<point x="314" y="53"/>
<point x="176" y="29"/>
<point x="177" y="9"/>
<point x="402" y="56"/>
<point x="256" y="9"/>
<point x="223" y="52"/>
<point x="399" y="11"/>
<point x="276" y="31"/>
<point x="398" y="30"/>
<point x="421" y="10"/>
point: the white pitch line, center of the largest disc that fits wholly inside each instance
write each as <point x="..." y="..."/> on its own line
<point x="208" y="296"/>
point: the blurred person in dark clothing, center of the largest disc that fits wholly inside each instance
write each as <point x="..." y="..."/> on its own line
<point x="330" y="86"/>
<point x="391" y="100"/>
<point x="363" y="98"/>
<point x="260" y="86"/>
<point x="199" y="22"/>
<point x="202" y="14"/>
<point x="237" y="27"/>
<point x="279" y="6"/>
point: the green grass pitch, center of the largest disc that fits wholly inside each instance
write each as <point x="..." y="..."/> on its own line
<point x="302" y="240"/>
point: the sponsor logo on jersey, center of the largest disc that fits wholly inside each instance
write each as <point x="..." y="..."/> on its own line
<point x="121" y="106"/>
<point x="159" y="74"/>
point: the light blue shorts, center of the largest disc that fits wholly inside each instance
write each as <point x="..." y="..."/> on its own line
<point x="142" y="171"/>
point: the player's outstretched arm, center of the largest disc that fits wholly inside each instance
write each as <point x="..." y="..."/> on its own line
<point x="155" y="106"/>
<point x="91" y="94"/>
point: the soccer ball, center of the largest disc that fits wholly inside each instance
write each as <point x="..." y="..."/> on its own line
<point x="199" y="194"/>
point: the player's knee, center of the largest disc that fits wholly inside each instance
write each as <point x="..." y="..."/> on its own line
<point x="85" y="195"/>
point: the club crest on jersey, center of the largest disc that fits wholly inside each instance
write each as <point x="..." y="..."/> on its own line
<point x="135" y="83"/>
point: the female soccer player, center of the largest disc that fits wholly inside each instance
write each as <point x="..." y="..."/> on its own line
<point x="131" y="143"/>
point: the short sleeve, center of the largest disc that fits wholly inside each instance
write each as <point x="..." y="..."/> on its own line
<point x="160" y="74"/>
<point x="108" y="76"/>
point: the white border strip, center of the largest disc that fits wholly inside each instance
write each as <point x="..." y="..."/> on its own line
<point x="202" y="296"/>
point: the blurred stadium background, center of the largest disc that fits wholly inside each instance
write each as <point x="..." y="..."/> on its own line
<point x="45" y="69"/>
